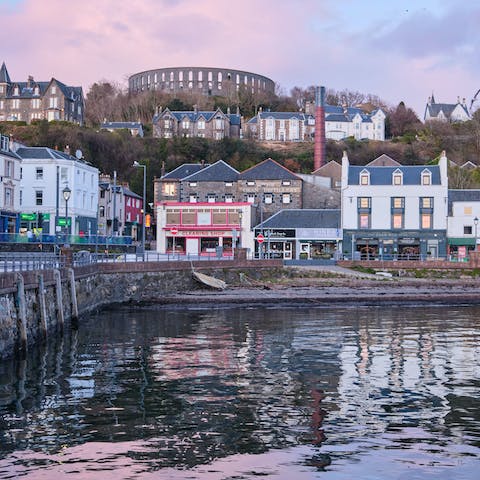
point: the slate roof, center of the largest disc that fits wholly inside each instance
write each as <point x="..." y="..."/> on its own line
<point x="383" y="161"/>
<point x="184" y="171"/>
<point x="192" y="116"/>
<point x="4" y="77"/>
<point x="434" y="109"/>
<point x="462" y="196"/>
<point x="217" y="172"/>
<point x="303" y="218"/>
<point x="268" y="170"/>
<point x="118" y="189"/>
<point x="412" y="174"/>
<point x="44" y="153"/>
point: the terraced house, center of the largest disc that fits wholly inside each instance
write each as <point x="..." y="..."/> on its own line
<point x="205" y="124"/>
<point x="37" y="100"/>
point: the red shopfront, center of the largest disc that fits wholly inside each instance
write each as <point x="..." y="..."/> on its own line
<point x="203" y="229"/>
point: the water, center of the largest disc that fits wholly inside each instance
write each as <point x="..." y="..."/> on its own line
<point x="281" y="393"/>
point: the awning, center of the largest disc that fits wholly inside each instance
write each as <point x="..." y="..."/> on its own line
<point x="461" y="241"/>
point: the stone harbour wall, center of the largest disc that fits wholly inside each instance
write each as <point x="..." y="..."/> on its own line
<point x="34" y="305"/>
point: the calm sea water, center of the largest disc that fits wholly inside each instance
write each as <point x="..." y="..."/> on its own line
<point x="238" y="393"/>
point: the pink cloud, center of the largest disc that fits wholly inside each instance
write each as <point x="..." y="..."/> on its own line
<point x="301" y="43"/>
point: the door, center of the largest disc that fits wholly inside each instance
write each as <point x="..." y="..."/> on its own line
<point x="192" y="246"/>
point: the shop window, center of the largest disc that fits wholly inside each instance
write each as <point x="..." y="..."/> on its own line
<point x="189" y="217"/>
<point x="219" y="217"/>
<point x="173" y="216"/>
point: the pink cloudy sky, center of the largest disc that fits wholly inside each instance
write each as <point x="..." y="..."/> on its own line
<point x="399" y="50"/>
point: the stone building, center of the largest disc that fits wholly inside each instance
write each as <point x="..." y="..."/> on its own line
<point x="10" y="191"/>
<point x="202" y="80"/>
<point x="34" y="100"/>
<point x="447" y="112"/>
<point x="215" y="125"/>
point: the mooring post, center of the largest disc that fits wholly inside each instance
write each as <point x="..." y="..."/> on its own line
<point x="43" y="306"/>
<point x="58" y="289"/>
<point x="73" y="295"/>
<point x="21" y="314"/>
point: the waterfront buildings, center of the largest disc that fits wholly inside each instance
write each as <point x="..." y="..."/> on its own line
<point x="394" y="211"/>
<point x="37" y="100"/>
<point x="9" y="191"/>
<point x="45" y="176"/>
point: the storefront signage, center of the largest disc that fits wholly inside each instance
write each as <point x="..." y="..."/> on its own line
<point x="62" y="223"/>
<point x="202" y="233"/>
<point x="274" y="233"/>
<point x="28" y="217"/>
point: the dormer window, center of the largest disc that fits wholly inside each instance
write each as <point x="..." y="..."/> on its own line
<point x="15" y="91"/>
<point x="364" y="177"/>
<point x="426" y="177"/>
<point x="397" y="177"/>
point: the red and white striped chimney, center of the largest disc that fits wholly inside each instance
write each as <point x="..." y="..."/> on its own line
<point x="319" y="149"/>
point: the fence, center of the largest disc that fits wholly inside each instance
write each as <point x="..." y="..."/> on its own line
<point x="62" y="239"/>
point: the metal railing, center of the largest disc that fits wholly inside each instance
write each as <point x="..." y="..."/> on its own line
<point x="61" y="239"/>
<point x="19" y="262"/>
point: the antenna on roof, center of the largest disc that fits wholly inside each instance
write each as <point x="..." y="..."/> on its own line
<point x="79" y="154"/>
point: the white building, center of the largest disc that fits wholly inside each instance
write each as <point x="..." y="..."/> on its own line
<point x="447" y="112"/>
<point x="204" y="229"/>
<point x="45" y="173"/>
<point x="394" y="210"/>
<point x="9" y="190"/>
<point x="463" y="222"/>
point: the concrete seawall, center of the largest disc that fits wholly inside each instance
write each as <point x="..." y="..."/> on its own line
<point x="36" y="304"/>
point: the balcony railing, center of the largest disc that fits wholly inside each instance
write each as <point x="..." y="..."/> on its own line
<point x="61" y="239"/>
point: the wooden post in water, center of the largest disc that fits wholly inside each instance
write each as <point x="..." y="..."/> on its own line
<point x="43" y="306"/>
<point x="21" y="314"/>
<point x="58" y="290"/>
<point x="73" y="295"/>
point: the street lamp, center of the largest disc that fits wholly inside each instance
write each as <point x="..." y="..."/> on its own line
<point x="139" y="165"/>
<point x="66" y="196"/>
<point x="475" y="222"/>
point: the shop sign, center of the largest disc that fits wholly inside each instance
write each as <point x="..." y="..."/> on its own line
<point x="407" y="241"/>
<point x="28" y="217"/>
<point x="274" y="233"/>
<point x="62" y="223"/>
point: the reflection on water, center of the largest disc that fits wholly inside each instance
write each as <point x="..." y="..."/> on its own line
<point x="224" y="393"/>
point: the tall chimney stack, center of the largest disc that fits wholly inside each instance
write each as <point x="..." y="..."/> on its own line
<point x="319" y="150"/>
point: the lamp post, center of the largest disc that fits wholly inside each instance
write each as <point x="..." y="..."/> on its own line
<point x="139" y="165"/>
<point x="475" y="222"/>
<point x="66" y="196"/>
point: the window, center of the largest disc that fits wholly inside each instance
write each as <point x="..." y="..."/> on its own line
<point x="364" y="202"/>
<point x="53" y="102"/>
<point x="201" y="124"/>
<point x="102" y="211"/>
<point x="426" y="177"/>
<point x="286" y="182"/>
<point x="54" y="90"/>
<point x="229" y="184"/>
<point x="189" y="217"/>
<point x="397" y="220"/>
<point x="102" y="194"/>
<point x="467" y="230"/>
<point x="185" y="124"/>
<point x="169" y="189"/>
<point x="16" y="104"/>
<point x="426" y="202"/>
<point x="228" y="198"/>
<point x="166" y="123"/>
<point x="426" y="220"/>
<point x="39" y="173"/>
<point x="364" y="178"/>
<point x="21" y="197"/>
<point x="398" y="202"/>
<point x="192" y="184"/>
<point x="38" y="197"/>
<point x="286" y="198"/>
<point x="364" y="220"/>
<point x="9" y="168"/>
<point x="219" y="216"/>
<point x="467" y="210"/>
<point x="64" y="174"/>
<point x="211" y="198"/>
<point x="36" y="103"/>
<point x="250" y="183"/>
<point x="397" y="177"/>
<point x="8" y="197"/>
<point x="193" y="198"/>
<point x="268" y="198"/>
<point x="250" y="198"/>
<point x="219" y="123"/>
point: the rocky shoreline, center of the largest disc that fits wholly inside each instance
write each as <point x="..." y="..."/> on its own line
<point x="352" y="291"/>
